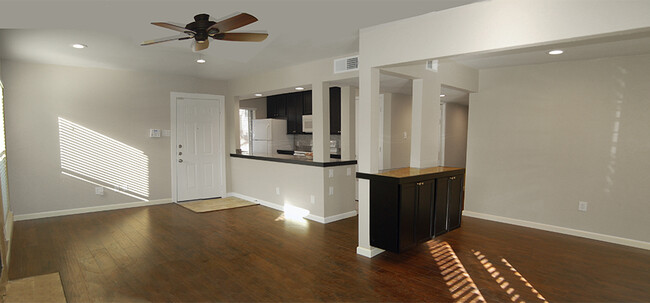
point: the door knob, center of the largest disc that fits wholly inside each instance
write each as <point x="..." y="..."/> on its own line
<point x="180" y="160"/>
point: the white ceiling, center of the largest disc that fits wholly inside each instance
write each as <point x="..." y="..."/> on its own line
<point x="299" y="31"/>
<point x="603" y="47"/>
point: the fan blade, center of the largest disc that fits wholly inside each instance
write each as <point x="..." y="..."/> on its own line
<point x="232" y="23"/>
<point x="177" y="37"/>
<point x="249" y="37"/>
<point x="201" y="46"/>
<point x="173" y="26"/>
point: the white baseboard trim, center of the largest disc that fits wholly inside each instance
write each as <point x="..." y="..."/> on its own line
<point x="342" y="216"/>
<point x="83" y="210"/>
<point x="279" y="207"/>
<point x="562" y="230"/>
<point x="369" y="252"/>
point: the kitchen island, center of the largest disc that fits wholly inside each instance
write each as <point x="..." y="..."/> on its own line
<point x="318" y="191"/>
<point x="412" y="205"/>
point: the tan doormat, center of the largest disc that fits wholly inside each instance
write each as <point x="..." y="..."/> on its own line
<point x="203" y="206"/>
<point x="44" y="288"/>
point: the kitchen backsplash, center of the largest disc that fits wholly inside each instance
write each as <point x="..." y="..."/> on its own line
<point x="305" y="142"/>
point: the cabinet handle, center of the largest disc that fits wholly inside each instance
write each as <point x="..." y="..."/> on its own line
<point x="420" y="183"/>
<point x="452" y="178"/>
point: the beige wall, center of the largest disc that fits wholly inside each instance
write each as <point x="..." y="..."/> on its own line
<point x="455" y="134"/>
<point x="543" y="137"/>
<point x="122" y="105"/>
<point x="400" y="123"/>
<point x="259" y="104"/>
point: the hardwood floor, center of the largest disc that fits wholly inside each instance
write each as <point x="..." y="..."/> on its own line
<point x="168" y="253"/>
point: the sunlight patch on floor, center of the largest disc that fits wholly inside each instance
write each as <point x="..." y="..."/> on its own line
<point x="460" y="284"/>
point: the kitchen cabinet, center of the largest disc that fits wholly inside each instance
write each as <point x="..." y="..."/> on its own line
<point x="276" y="106"/>
<point x="410" y="206"/>
<point x="306" y="103"/>
<point x="294" y="103"/>
<point x="335" y="110"/>
<point x="448" y="204"/>
<point x="293" y="106"/>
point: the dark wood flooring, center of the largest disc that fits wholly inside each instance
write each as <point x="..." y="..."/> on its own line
<point x="168" y="253"/>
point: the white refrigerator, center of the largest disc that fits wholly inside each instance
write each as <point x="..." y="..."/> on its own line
<point x="269" y="135"/>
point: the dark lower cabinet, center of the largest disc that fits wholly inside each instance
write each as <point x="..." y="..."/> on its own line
<point x="448" y="204"/>
<point x="403" y="214"/>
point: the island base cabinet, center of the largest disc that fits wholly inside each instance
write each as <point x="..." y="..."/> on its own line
<point x="448" y="204"/>
<point x="405" y="214"/>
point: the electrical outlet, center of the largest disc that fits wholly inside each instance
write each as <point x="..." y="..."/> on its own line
<point x="277" y="190"/>
<point x="312" y="199"/>
<point x="331" y="170"/>
<point x="99" y="190"/>
<point x="331" y="190"/>
<point x="582" y="206"/>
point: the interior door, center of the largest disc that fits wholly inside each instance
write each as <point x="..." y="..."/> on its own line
<point x="198" y="165"/>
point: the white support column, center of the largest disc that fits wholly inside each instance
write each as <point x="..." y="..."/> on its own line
<point x="321" y="114"/>
<point x="386" y="138"/>
<point x="368" y="151"/>
<point x="233" y="109"/>
<point x="347" y="123"/>
<point x="425" y="123"/>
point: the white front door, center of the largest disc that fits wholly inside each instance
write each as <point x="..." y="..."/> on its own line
<point x="199" y="164"/>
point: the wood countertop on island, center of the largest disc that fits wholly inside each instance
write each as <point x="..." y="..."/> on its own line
<point x="411" y="174"/>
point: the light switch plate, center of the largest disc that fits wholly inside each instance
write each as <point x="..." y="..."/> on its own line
<point x="331" y="172"/>
<point x="154" y="133"/>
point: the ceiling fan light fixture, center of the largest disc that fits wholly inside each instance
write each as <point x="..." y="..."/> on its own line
<point x="200" y="61"/>
<point x="79" y="46"/>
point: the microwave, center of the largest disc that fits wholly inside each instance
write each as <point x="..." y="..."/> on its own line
<point x="307" y="124"/>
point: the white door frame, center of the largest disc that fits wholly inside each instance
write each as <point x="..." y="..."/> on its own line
<point x="221" y="100"/>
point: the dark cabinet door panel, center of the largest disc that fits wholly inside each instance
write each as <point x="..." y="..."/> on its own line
<point x="424" y="206"/>
<point x="454" y="204"/>
<point x="335" y="110"/>
<point x="440" y="212"/>
<point x="407" y="215"/>
<point x="306" y="103"/>
<point x="384" y="215"/>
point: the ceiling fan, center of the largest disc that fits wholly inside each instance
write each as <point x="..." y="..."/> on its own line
<point x="203" y="28"/>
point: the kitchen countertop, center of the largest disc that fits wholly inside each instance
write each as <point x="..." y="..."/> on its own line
<point x="300" y="160"/>
<point x="411" y="174"/>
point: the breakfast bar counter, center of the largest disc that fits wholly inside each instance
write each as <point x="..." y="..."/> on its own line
<point x="293" y="159"/>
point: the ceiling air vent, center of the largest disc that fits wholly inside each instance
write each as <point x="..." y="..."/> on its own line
<point x="346" y="64"/>
<point x="432" y="65"/>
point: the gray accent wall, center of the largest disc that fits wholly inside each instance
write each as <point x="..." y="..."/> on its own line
<point x="544" y="137"/>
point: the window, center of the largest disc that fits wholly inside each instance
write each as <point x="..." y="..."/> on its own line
<point x="246" y="117"/>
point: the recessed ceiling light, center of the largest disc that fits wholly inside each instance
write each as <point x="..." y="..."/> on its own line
<point x="300" y="88"/>
<point x="200" y="60"/>
<point x="442" y="95"/>
<point x="79" y="46"/>
<point x="258" y="95"/>
<point x="556" y="52"/>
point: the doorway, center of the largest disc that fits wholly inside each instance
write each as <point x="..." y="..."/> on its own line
<point x="198" y="146"/>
